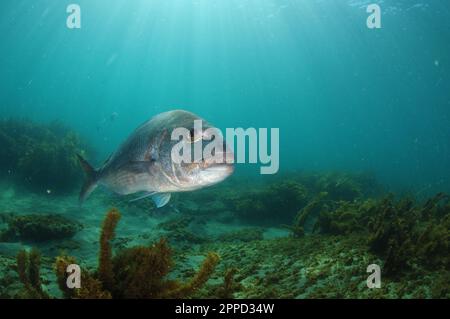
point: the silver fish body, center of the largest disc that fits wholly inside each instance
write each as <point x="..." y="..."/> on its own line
<point x="144" y="164"/>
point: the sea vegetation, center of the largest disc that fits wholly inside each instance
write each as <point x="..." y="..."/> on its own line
<point x="278" y="201"/>
<point x="402" y="233"/>
<point x="406" y="234"/>
<point x="317" y="266"/>
<point x="229" y="286"/>
<point x="340" y="223"/>
<point x="342" y="185"/>
<point x="28" y="269"/>
<point x="272" y="203"/>
<point x="35" y="155"/>
<point x="136" y="272"/>
<point x="38" y="228"/>
<point x="284" y="197"/>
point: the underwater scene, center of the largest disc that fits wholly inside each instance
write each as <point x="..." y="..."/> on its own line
<point x="224" y="149"/>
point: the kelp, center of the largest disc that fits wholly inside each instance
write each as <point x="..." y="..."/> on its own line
<point x="28" y="269"/>
<point x="406" y="234"/>
<point x="277" y="202"/>
<point x="136" y="272"/>
<point x="36" y="154"/>
<point x="403" y="233"/>
<point x="39" y="228"/>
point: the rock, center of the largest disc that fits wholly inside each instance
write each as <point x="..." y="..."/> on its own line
<point x="39" y="228"/>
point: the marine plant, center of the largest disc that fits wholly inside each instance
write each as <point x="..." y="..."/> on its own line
<point x="339" y="186"/>
<point x="105" y="266"/>
<point x="36" y="154"/>
<point x="326" y="216"/>
<point x="39" y="228"/>
<point x="307" y="216"/>
<point x="433" y="243"/>
<point x="28" y="269"/>
<point x="274" y="202"/>
<point x="136" y="272"/>
<point x="402" y="233"/>
<point x="406" y="233"/>
<point x="278" y="202"/>
<point x="229" y="284"/>
<point x="345" y="218"/>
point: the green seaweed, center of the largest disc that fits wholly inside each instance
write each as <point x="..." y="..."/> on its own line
<point x="136" y="272"/>
<point x="277" y="202"/>
<point x="36" y="154"/>
<point x="28" y="269"/>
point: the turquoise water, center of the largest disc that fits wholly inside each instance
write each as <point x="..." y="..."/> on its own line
<point x="344" y="96"/>
<point x="360" y="112"/>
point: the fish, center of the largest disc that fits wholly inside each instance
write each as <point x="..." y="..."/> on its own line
<point x="144" y="164"/>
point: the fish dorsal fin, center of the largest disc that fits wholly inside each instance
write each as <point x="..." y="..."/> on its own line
<point x="143" y="196"/>
<point x="161" y="199"/>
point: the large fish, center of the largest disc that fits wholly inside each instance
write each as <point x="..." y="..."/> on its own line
<point x="143" y="163"/>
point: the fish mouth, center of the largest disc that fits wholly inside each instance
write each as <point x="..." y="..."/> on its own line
<point x="224" y="166"/>
<point x="217" y="173"/>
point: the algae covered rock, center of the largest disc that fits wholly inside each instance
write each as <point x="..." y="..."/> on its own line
<point x="404" y="234"/>
<point x="344" y="186"/>
<point x="276" y="203"/>
<point x="39" y="228"/>
<point x="407" y="235"/>
<point x="134" y="266"/>
<point x="345" y="217"/>
<point x="40" y="156"/>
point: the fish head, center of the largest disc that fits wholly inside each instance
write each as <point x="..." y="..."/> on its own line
<point x="196" y="155"/>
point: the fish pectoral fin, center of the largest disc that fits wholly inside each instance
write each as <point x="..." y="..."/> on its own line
<point x="143" y="196"/>
<point x="161" y="199"/>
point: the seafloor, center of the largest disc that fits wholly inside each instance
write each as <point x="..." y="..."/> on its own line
<point x="292" y="235"/>
<point x="302" y="236"/>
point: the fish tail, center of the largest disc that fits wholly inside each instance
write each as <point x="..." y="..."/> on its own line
<point x="91" y="179"/>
